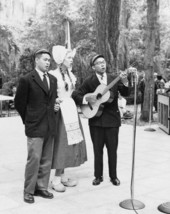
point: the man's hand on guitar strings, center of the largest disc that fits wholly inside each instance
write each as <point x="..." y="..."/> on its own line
<point x="91" y="99"/>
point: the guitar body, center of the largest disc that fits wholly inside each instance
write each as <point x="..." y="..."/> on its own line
<point x="96" y="108"/>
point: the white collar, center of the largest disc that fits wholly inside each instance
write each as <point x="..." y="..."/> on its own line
<point x="99" y="75"/>
<point x="102" y="79"/>
<point x="41" y="73"/>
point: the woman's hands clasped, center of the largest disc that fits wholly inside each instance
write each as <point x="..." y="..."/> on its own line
<point x="57" y="104"/>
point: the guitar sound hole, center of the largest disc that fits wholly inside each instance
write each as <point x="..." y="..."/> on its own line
<point x="99" y="96"/>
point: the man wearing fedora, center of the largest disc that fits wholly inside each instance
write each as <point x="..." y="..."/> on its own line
<point x="104" y="129"/>
<point x="35" y="102"/>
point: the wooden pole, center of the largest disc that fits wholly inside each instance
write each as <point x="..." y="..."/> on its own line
<point x="67" y="34"/>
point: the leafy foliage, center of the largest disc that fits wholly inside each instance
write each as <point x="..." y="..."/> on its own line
<point x="46" y="29"/>
<point x="8" y="54"/>
<point x="49" y="30"/>
<point x="26" y="62"/>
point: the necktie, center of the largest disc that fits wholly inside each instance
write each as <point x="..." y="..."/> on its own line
<point x="45" y="81"/>
<point x="101" y="78"/>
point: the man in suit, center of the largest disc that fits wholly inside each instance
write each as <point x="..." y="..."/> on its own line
<point x="104" y="129"/>
<point x="35" y="102"/>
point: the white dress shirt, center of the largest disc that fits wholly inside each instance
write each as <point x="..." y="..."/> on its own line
<point x="41" y="74"/>
<point x="102" y="78"/>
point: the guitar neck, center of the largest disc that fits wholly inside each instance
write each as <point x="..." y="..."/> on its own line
<point x="108" y="87"/>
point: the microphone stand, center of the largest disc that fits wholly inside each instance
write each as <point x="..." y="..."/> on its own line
<point x="132" y="204"/>
<point x="150" y="114"/>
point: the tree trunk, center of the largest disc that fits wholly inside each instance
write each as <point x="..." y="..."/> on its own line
<point x="123" y="57"/>
<point x="152" y="28"/>
<point x="107" y="30"/>
<point x="157" y="57"/>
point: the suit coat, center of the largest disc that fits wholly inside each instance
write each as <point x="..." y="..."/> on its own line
<point x="111" y="115"/>
<point x="36" y="105"/>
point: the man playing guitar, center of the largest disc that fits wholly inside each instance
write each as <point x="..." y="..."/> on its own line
<point x="104" y="128"/>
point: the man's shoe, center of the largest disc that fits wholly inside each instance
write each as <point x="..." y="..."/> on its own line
<point x="43" y="193"/>
<point x="28" y="198"/>
<point x="115" y="181"/>
<point x="97" y="181"/>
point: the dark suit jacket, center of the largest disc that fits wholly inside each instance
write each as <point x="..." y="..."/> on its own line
<point x="36" y="105"/>
<point x="111" y="115"/>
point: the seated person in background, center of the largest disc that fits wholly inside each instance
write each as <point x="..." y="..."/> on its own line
<point x="167" y="84"/>
<point x="14" y="89"/>
<point x="12" y="94"/>
<point x="122" y="105"/>
<point x="142" y="88"/>
<point x="122" y="108"/>
<point x="161" y="88"/>
<point x="157" y="85"/>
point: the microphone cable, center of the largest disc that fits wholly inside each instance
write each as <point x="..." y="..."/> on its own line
<point x="133" y="159"/>
<point x="133" y="152"/>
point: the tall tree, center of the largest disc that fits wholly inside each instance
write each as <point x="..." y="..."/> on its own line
<point x="107" y="30"/>
<point x="123" y="39"/>
<point x="151" y="45"/>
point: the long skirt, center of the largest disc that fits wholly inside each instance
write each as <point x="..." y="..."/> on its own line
<point x="65" y="155"/>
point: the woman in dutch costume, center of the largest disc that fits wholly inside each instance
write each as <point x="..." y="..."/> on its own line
<point x="69" y="147"/>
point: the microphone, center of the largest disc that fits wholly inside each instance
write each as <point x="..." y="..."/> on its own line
<point x="134" y="75"/>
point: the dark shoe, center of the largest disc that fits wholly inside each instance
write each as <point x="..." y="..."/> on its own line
<point x="97" y="181"/>
<point x="43" y="193"/>
<point x="115" y="181"/>
<point x="28" y="198"/>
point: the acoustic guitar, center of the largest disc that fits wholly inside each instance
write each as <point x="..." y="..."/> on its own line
<point x="103" y="95"/>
